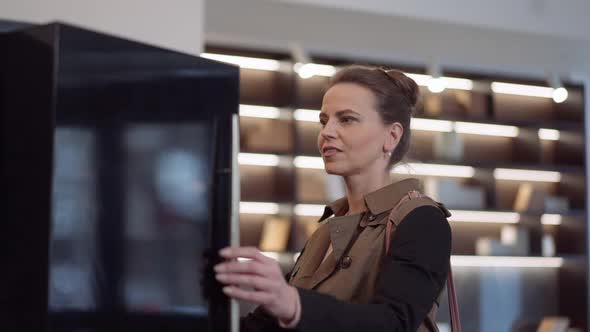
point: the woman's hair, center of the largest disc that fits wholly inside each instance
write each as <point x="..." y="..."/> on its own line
<point x="396" y="95"/>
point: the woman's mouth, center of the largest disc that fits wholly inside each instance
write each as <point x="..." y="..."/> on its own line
<point x="330" y="152"/>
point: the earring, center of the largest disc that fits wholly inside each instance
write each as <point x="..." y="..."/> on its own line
<point x="388" y="153"/>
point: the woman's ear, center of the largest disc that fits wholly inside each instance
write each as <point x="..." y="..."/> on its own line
<point x="394" y="135"/>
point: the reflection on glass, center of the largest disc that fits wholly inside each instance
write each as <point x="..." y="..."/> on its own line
<point x="157" y="233"/>
<point x="73" y="250"/>
<point x="167" y="216"/>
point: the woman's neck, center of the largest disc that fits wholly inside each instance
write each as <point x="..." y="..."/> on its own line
<point x="357" y="186"/>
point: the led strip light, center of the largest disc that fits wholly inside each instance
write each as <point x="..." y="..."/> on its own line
<point x="420" y="169"/>
<point x="312" y="69"/>
<point x="310" y="115"/>
<point x="245" y="62"/>
<point x="473" y="128"/>
<point x="506" y="261"/>
<point x="475" y="261"/>
<point x="526" y="175"/>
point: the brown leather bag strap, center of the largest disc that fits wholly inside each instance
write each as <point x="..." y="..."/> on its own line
<point x="397" y="214"/>
<point x="453" y="303"/>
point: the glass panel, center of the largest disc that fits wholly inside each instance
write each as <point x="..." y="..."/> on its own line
<point x="73" y="245"/>
<point x="168" y="168"/>
<point x="165" y="220"/>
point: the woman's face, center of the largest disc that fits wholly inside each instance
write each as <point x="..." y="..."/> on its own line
<point x="353" y="139"/>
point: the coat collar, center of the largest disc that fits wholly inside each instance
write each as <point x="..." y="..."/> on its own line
<point x="378" y="201"/>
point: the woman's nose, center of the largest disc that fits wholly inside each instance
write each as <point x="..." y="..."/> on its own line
<point x="328" y="131"/>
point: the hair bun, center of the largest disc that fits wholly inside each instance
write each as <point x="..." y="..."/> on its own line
<point x="406" y="86"/>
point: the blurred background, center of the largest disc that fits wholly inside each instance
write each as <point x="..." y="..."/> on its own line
<point x="500" y="136"/>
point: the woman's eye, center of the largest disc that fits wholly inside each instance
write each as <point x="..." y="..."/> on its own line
<point x="345" y="119"/>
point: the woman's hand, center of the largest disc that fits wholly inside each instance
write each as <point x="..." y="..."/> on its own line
<point x="262" y="273"/>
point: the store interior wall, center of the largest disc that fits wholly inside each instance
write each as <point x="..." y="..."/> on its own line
<point x="498" y="38"/>
<point x="175" y="24"/>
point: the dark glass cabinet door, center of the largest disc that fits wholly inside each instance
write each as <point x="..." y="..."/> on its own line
<point x="112" y="151"/>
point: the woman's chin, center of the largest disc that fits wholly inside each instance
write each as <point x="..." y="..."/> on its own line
<point x="334" y="170"/>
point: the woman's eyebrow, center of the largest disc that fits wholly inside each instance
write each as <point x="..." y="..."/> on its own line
<point x="346" y="111"/>
<point x="339" y="113"/>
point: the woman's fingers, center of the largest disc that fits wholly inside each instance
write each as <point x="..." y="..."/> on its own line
<point x="249" y="267"/>
<point x="244" y="252"/>
<point x="259" y="283"/>
<point x="257" y="263"/>
<point x="259" y="272"/>
<point x="250" y="296"/>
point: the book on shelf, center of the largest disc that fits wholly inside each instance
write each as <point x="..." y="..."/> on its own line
<point x="517" y="238"/>
<point x="275" y="234"/>
<point x="548" y="245"/>
<point x="486" y="246"/>
<point x="514" y="241"/>
<point x="556" y="204"/>
<point x="448" y="146"/>
<point x="529" y="199"/>
<point x="454" y="194"/>
<point x="433" y="104"/>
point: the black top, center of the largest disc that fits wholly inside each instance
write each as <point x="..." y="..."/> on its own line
<point x="412" y="276"/>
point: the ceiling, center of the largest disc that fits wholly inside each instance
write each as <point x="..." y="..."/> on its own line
<point x="500" y="37"/>
<point x="544" y="17"/>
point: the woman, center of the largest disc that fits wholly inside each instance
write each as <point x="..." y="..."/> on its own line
<point x="344" y="280"/>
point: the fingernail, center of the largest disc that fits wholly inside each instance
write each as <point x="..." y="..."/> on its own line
<point x="220" y="276"/>
<point x="218" y="268"/>
<point x="227" y="289"/>
<point x="224" y="251"/>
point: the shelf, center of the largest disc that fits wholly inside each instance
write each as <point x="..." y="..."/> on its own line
<point x="520" y="166"/>
<point x="458" y="215"/>
<point x="506" y="261"/>
<point x="465" y="170"/>
<point x="511" y="146"/>
<point x="422" y="122"/>
<point x="574" y="126"/>
<point x="309" y="70"/>
<point x="492" y="134"/>
<point x="465" y="260"/>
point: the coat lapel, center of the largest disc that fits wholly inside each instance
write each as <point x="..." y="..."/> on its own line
<point x="318" y="243"/>
<point x="340" y="231"/>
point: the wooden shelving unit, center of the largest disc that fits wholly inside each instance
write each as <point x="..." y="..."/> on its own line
<point x="285" y="137"/>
